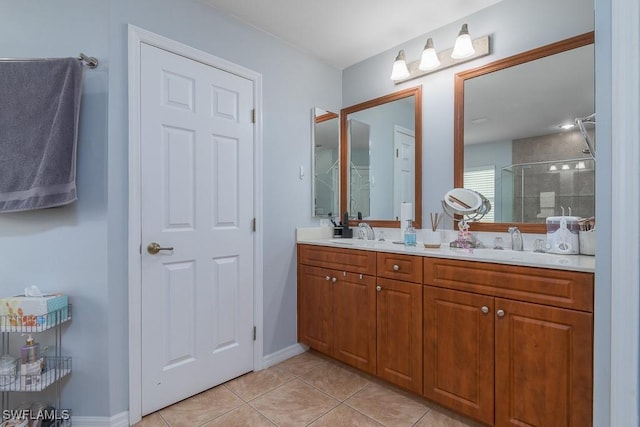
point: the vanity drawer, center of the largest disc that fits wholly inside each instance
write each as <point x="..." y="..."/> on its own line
<point x="400" y="267"/>
<point x="560" y="288"/>
<point x="338" y="259"/>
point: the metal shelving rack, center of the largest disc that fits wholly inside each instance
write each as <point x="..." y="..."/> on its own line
<point x="55" y="367"/>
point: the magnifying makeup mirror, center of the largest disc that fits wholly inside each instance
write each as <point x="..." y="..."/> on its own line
<point x="469" y="206"/>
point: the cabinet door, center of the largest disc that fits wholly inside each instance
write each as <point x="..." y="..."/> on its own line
<point x="544" y="365"/>
<point x="399" y="331"/>
<point x="354" y="321"/>
<point x="315" y="314"/>
<point x="458" y="351"/>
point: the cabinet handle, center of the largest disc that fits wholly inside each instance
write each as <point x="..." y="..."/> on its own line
<point x="328" y="278"/>
<point x="484" y="309"/>
<point x="396" y="267"/>
<point x="334" y="280"/>
<point x="500" y="313"/>
<point x="361" y="277"/>
<point x="378" y="288"/>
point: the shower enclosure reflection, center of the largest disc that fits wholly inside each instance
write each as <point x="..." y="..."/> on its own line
<point x="326" y="163"/>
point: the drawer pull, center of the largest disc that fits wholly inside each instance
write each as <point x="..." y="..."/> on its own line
<point x="500" y="313"/>
<point x="334" y="280"/>
<point x="396" y="267"/>
<point x="484" y="309"/>
<point x="361" y="277"/>
<point x="328" y="278"/>
<point x="378" y="288"/>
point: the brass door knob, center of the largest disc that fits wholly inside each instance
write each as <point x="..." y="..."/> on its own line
<point x="153" y="248"/>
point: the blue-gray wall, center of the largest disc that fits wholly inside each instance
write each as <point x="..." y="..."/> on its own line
<point x="82" y="249"/>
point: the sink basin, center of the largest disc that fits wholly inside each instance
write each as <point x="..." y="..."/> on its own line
<point x="510" y="255"/>
<point x="361" y="243"/>
<point x="342" y="241"/>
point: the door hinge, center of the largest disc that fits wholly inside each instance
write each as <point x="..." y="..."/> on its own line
<point x="253" y="224"/>
<point x="253" y="115"/>
<point x="254" y="333"/>
<point x="397" y="152"/>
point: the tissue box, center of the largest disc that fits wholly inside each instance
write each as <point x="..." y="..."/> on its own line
<point x="32" y="314"/>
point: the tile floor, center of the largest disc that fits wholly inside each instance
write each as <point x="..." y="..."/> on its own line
<point x="306" y="390"/>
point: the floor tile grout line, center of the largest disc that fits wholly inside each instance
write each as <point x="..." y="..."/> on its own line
<point x="363" y="414"/>
<point x="263" y="393"/>
<point x="429" y="409"/>
<point x="329" y="394"/>
<point x="322" y="415"/>
<point x="264" y="415"/>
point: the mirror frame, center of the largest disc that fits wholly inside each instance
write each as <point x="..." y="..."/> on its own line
<point x="344" y="147"/>
<point x="328" y="115"/>
<point x="458" y="116"/>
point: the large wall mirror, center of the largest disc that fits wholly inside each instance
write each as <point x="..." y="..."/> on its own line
<point x="515" y="139"/>
<point x="326" y="163"/>
<point x="381" y="161"/>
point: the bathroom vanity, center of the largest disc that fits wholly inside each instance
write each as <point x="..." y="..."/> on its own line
<point x="501" y="337"/>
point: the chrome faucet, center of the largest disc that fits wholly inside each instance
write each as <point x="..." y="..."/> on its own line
<point x="366" y="231"/>
<point x="516" y="239"/>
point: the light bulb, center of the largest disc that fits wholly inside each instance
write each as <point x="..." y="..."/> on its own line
<point x="463" y="47"/>
<point x="400" y="70"/>
<point x="429" y="59"/>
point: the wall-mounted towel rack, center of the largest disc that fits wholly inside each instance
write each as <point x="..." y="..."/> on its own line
<point x="90" y="61"/>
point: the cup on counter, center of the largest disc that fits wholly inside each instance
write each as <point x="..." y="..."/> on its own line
<point x="432" y="239"/>
<point x="539" y="245"/>
<point x="587" y="242"/>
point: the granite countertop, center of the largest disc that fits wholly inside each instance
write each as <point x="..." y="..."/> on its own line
<point x="582" y="263"/>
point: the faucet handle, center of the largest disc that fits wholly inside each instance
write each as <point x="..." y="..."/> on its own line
<point x="512" y="230"/>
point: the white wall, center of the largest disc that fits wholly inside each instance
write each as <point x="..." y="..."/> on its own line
<point x="82" y="249"/>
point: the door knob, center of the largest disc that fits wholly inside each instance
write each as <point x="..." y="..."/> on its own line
<point x="484" y="309"/>
<point x="153" y="248"/>
<point x="378" y="288"/>
<point x="500" y="313"/>
<point x="396" y="267"/>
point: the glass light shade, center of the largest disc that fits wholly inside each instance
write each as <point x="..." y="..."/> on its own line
<point x="400" y="70"/>
<point x="565" y="167"/>
<point x="553" y="168"/>
<point x="464" y="46"/>
<point x="429" y="59"/>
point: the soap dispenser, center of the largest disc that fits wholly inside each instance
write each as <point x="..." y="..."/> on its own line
<point x="410" y="234"/>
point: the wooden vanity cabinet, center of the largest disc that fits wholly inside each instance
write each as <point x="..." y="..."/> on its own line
<point x="370" y="322"/>
<point x="399" y="320"/>
<point x="459" y="351"/>
<point x="337" y="308"/>
<point x="509" y="345"/>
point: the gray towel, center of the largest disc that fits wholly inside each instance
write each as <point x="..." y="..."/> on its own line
<point x="39" y="109"/>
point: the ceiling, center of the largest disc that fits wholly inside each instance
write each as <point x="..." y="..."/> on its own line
<point x="342" y="33"/>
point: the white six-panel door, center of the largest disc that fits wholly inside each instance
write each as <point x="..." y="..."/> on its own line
<point x="404" y="165"/>
<point x="197" y="202"/>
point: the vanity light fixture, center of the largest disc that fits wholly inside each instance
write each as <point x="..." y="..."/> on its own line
<point x="464" y="50"/>
<point x="400" y="70"/>
<point x="565" y="167"/>
<point x="580" y="165"/>
<point x="463" y="47"/>
<point x="429" y="59"/>
<point x="553" y="168"/>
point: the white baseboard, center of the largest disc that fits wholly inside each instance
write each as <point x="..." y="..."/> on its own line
<point x="118" y="420"/>
<point x="282" y="355"/>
